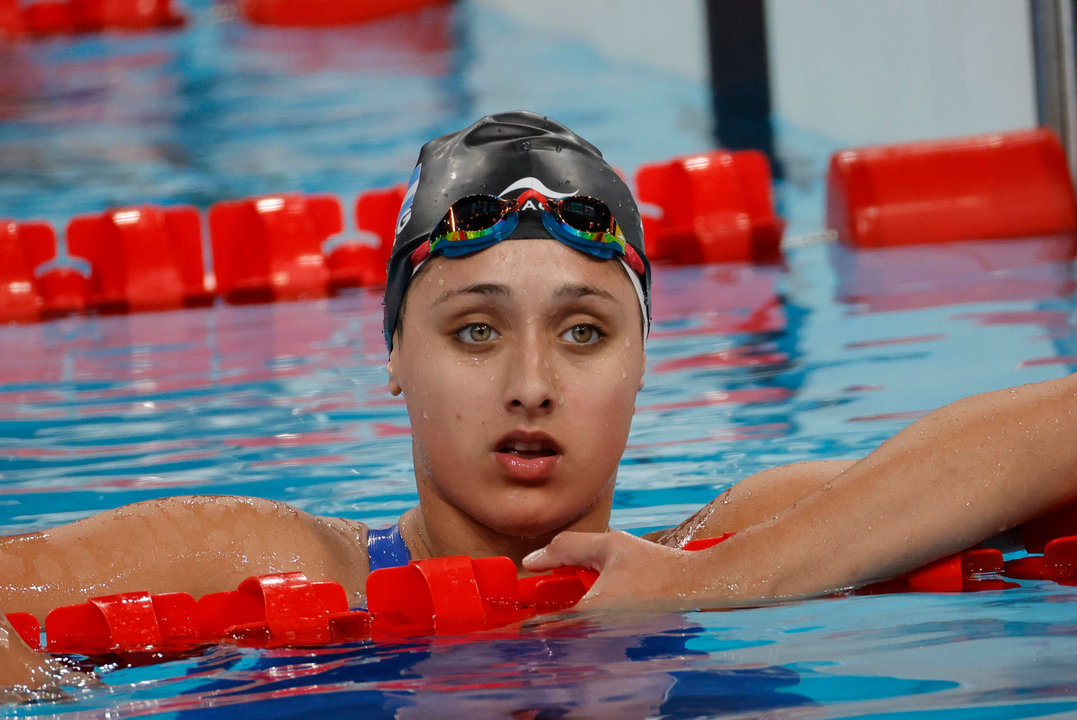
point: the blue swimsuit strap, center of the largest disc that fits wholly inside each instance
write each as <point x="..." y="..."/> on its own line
<point x="386" y="548"/>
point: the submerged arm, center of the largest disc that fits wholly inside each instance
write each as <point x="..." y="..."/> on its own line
<point x="959" y="475"/>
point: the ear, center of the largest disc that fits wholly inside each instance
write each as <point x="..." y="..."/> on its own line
<point x="394" y="384"/>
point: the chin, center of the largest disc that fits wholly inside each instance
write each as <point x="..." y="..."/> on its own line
<point x="527" y="528"/>
<point x="525" y="524"/>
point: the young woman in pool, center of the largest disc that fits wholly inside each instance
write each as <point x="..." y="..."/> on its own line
<point x="516" y="313"/>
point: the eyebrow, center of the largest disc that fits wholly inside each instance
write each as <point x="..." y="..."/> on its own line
<point x="568" y="290"/>
<point x="482" y="289"/>
<point x="580" y="291"/>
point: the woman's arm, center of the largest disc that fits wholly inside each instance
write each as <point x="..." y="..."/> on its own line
<point x="755" y="499"/>
<point x="962" y="474"/>
<point x="195" y="544"/>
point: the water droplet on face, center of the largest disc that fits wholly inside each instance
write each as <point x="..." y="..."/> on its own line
<point x="526" y="144"/>
<point x="426" y="415"/>
<point x="557" y="148"/>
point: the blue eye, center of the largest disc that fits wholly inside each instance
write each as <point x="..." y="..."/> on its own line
<point x="477" y="333"/>
<point x="582" y="334"/>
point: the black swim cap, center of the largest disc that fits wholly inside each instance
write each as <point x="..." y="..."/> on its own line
<point x="504" y="155"/>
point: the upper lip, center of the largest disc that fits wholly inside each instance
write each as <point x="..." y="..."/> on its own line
<point x="519" y="439"/>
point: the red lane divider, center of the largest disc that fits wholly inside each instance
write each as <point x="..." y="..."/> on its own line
<point x="47" y="17"/>
<point x="713" y="207"/>
<point x="270" y="248"/>
<point x="439" y="595"/>
<point x="312" y="13"/>
<point x="992" y="186"/>
<point x="142" y="258"/>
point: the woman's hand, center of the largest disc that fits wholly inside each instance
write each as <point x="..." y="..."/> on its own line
<point x="632" y="572"/>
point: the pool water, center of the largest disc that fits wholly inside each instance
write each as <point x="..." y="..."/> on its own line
<point x="822" y="356"/>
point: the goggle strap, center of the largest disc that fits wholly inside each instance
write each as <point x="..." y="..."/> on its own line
<point x="634" y="261"/>
<point x="637" y="285"/>
<point x="420" y="256"/>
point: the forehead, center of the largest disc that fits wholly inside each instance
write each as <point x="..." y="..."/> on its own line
<point x="527" y="264"/>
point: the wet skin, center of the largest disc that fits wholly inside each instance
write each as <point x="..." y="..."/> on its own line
<point x="520" y="388"/>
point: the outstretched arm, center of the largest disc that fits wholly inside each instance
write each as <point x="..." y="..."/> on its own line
<point x="962" y="474"/>
<point x="185" y="544"/>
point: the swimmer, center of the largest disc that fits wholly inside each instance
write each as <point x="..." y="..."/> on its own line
<point x="516" y="314"/>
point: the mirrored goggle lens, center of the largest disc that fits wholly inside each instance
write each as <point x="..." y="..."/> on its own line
<point x="471" y="214"/>
<point x="584" y="213"/>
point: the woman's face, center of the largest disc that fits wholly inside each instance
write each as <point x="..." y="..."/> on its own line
<point x="520" y="366"/>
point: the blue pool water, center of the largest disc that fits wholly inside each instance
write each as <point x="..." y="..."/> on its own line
<point x="823" y="356"/>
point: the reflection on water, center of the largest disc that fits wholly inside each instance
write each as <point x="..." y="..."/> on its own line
<point x="822" y="356"/>
<point x="770" y="365"/>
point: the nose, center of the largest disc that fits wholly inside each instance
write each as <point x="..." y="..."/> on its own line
<point x="530" y="379"/>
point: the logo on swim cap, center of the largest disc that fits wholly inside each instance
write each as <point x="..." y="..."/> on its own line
<point x="533" y="183"/>
<point x="409" y="197"/>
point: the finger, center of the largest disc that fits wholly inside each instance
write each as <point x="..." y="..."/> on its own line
<point x="570" y="548"/>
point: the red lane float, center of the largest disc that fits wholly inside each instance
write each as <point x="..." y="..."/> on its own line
<point x="270" y="248"/>
<point x="11" y="23"/>
<point x="364" y="262"/>
<point x="991" y="186"/>
<point x="967" y="571"/>
<point x="142" y="258"/>
<point x="313" y="13"/>
<point x="23" y="246"/>
<point x="26" y="292"/>
<point x="283" y="609"/>
<point x="1058" y="563"/>
<point x="28" y="628"/>
<point x="47" y="17"/>
<point x="125" y="622"/>
<point x="714" y="207"/>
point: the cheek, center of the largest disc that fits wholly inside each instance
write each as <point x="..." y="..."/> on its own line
<point x="604" y="400"/>
<point x="447" y="402"/>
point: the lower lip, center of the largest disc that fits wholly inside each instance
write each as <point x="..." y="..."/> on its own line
<point x="527" y="469"/>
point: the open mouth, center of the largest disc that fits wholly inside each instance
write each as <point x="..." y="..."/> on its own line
<point x="527" y="450"/>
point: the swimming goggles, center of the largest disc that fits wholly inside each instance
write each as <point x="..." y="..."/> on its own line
<point x="477" y="222"/>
